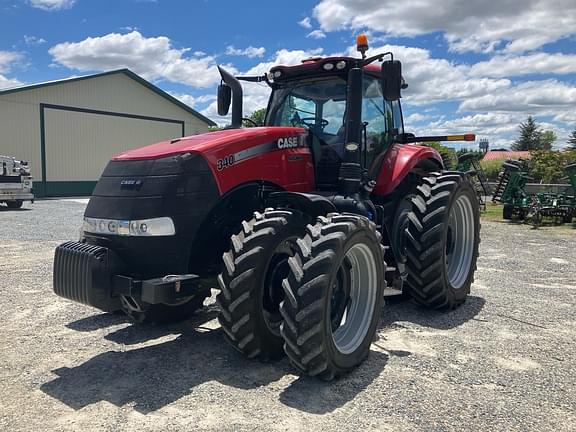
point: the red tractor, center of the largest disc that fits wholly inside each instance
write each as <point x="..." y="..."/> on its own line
<point x="307" y="222"/>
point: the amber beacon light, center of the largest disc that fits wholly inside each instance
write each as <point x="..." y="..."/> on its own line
<point x="362" y="43"/>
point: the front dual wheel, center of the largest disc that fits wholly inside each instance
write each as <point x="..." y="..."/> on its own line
<point x="313" y="292"/>
<point x="333" y="296"/>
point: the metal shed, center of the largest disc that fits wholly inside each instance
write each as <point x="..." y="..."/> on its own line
<point x="69" y="129"/>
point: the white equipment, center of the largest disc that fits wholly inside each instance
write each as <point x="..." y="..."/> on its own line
<point x="15" y="182"/>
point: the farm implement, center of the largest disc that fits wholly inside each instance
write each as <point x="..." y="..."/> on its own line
<point x="533" y="208"/>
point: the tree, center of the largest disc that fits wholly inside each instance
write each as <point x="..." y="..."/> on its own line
<point x="530" y="136"/>
<point x="550" y="166"/>
<point x="448" y="154"/>
<point x="546" y="166"/>
<point x="547" y="139"/>
<point x="257" y="117"/>
<point x="572" y="140"/>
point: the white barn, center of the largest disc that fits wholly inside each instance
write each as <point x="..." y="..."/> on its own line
<point x="69" y="129"/>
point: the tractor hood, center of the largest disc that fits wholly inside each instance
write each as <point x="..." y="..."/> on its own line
<point x="211" y="142"/>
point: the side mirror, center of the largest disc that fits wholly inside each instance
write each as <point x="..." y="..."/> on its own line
<point x="224" y="98"/>
<point x="404" y="138"/>
<point x="392" y="79"/>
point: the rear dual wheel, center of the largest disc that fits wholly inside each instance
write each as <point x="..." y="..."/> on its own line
<point x="442" y="239"/>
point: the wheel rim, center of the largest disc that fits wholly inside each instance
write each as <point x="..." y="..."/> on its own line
<point x="273" y="293"/>
<point x="460" y="242"/>
<point x="400" y="224"/>
<point x="340" y="294"/>
<point x="350" y="332"/>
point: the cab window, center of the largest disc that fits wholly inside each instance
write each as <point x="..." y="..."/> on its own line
<point x="397" y="113"/>
<point x="376" y="118"/>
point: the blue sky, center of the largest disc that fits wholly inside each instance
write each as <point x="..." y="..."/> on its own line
<point x="472" y="66"/>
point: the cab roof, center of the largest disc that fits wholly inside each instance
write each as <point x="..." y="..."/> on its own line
<point x="316" y="66"/>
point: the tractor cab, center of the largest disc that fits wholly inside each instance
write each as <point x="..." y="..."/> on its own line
<point x="319" y="104"/>
<point x="339" y="100"/>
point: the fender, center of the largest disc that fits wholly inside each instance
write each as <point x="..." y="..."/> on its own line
<point x="224" y="219"/>
<point x="398" y="161"/>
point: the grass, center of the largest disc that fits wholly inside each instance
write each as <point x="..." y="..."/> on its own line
<point x="493" y="212"/>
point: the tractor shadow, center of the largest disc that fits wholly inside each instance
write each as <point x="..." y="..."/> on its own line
<point x="189" y="354"/>
<point x="158" y="374"/>
<point x="313" y="396"/>
<point x="407" y="310"/>
<point x="7" y="209"/>
<point x="97" y="322"/>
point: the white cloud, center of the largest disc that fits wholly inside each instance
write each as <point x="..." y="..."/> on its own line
<point x="542" y="63"/>
<point x="248" y="52"/>
<point x="432" y="80"/>
<point x="193" y="100"/>
<point x="33" y="40"/>
<point x="316" y="34"/>
<point x="305" y="23"/>
<point x="499" y="114"/>
<point x="545" y="96"/>
<point x="476" y="25"/>
<point x="153" y="58"/>
<point x="415" y="118"/>
<point x="8" y="59"/>
<point x="284" y="57"/>
<point x="566" y="117"/>
<point x="129" y="28"/>
<point x="52" y="5"/>
<point x="8" y="82"/>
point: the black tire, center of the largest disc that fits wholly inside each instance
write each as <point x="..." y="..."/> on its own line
<point x="16" y="204"/>
<point x="317" y="298"/>
<point x="536" y="219"/>
<point x="521" y="214"/>
<point x="507" y="211"/>
<point x="146" y="313"/>
<point x="439" y="276"/>
<point x="250" y="284"/>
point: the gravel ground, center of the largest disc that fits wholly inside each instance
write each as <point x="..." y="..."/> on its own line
<point x="502" y="362"/>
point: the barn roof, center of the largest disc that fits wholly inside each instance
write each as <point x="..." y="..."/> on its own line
<point x="497" y="155"/>
<point x="126" y="72"/>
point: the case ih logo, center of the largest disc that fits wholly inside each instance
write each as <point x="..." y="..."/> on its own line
<point x="288" y="142"/>
<point x="130" y="184"/>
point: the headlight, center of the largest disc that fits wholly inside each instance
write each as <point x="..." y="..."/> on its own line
<point x="341" y="65"/>
<point x="163" y="226"/>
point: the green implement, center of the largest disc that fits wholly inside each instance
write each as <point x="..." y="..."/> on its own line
<point x="533" y="208"/>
